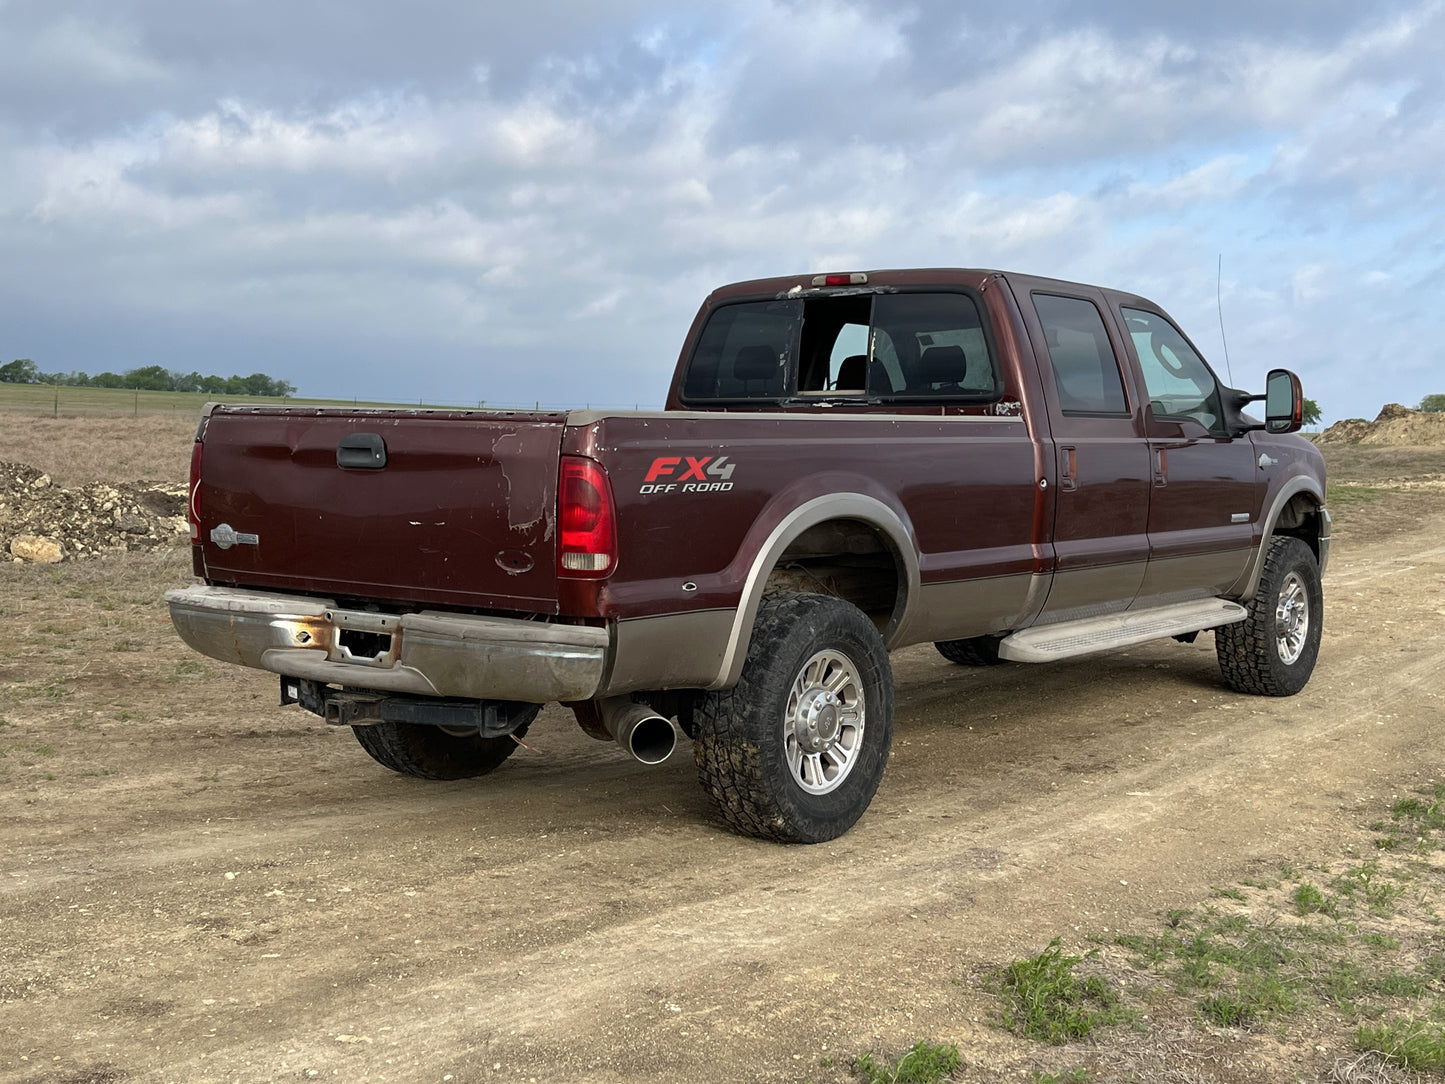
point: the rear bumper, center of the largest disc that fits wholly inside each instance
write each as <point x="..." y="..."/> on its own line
<point x="427" y="654"/>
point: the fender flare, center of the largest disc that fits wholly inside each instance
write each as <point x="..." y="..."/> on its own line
<point x="1291" y="489"/>
<point x="832" y="506"/>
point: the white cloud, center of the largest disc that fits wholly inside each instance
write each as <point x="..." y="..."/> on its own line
<point x="587" y="206"/>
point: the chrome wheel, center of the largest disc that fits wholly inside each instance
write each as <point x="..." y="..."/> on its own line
<point x="1291" y="619"/>
<point x="823" y="723"/>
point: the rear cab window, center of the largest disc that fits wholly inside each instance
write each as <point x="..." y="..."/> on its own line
<point x="904" y="346"/>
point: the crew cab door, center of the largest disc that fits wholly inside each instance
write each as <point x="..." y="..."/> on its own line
<point x="1103" y="477"/>
<point x="1205" y="493"/>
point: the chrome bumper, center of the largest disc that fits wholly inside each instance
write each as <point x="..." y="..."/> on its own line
<point x="427" y="654"/>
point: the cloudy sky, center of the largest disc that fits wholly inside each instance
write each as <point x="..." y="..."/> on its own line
<point x="513" y="203"/>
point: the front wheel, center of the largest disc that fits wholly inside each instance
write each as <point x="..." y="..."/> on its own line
<point x="795" y="751"/>
<point x="1272" y="652"/>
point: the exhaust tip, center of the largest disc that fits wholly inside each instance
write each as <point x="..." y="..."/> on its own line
<point x="641" y="731"/>
<point x="652" y="740"/>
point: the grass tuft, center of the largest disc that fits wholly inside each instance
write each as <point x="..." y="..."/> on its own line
<point x="1043" y="999"/>
<point x="1309" y="900"/>
<point x="1418" y="1044"/>
<point x="926" y="1063"/>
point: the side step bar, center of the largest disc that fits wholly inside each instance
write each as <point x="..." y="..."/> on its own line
<point x="1068" y="639"/>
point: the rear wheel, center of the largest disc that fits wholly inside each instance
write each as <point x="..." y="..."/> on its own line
<point x="975" y="651"/>
<point x="433" y="752"/>
<point x="795" y="751"/>
<point x="1272" y="652"/>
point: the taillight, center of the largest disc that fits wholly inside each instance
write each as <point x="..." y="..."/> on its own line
<point x="193" y="511"/>
<point x="587" y="538"/>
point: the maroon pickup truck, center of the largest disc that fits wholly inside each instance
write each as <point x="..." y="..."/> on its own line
<point x="1013" y="468"/>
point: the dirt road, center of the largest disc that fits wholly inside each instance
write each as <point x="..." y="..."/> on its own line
<point x="197" y="885"/>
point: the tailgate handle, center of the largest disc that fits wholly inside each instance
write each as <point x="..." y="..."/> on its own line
<point x="364" y="450"/>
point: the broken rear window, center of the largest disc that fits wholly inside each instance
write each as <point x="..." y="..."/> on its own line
<point x="915" y="346"/>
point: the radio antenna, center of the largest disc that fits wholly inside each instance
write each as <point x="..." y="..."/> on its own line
<point x="1219" y="307"/>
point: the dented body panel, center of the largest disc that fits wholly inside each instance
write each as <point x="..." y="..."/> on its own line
<point x="461" y="513"/>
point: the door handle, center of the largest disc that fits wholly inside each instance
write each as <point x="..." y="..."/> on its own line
<point x="1068" y="469"/>
<point x="364" y="451"/>
<point x="1161" y="467"/>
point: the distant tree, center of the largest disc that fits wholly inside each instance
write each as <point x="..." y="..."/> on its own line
<point x="1312" y="413"/>
<point x="186" y="381"/>
<point x="20" y="371"/>
<point x="1434" y="404"/>
<point x="149" y="378"/>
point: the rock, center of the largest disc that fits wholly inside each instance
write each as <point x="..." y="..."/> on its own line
<point x="90" y="520"/>
<point x="44" y="551"/>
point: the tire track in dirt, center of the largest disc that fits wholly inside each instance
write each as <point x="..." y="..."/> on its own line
<point x="681" y="943"/>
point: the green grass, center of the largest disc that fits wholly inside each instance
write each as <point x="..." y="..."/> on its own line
<point x="1044" y="999"/>
<point x="1417" y="1044"/>
<point x="1068" y="1076"/>
<point x="1339" y="495"/>
<point x="925" y="1063"/>
<point x="1309" y="900"/>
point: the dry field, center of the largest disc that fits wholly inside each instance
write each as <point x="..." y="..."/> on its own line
<point x="198" y="885"/>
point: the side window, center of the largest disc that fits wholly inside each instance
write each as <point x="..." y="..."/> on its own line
<point x="743" y="352"/>
<point x="1086" y="373"/>
<point x="1179" y="383"/>
<point x="929" y="345"/>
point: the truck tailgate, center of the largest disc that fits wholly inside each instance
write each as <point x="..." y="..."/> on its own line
<point x="431" y="507"/>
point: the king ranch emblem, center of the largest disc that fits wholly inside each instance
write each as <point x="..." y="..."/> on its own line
<point x="688" y="474"/>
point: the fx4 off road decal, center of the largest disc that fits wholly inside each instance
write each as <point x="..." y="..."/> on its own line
<point x="688" y="474"/>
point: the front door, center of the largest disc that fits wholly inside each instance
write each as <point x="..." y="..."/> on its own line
<point x="1206" y="495"/>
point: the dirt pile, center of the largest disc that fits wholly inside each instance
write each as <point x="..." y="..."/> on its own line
<point x="1395" y="425"/>
<point x="41" y="521"/>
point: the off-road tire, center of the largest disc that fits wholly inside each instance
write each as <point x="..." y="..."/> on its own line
<point x="429" y="752"/>
<point x="975" y="651"/>
<point x="745" y="758"/>
<point x="1267" y="654"/>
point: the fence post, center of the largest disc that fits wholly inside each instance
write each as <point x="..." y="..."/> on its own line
<point x="57" y="401"/>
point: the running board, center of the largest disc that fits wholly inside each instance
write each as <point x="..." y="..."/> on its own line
<point x="1048" y="643"/>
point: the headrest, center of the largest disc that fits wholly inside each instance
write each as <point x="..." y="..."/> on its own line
<point x="852" y="373"/>
<point x="944" y="365"/>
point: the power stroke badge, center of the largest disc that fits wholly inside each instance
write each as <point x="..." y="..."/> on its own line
<point x="227" y="536"/>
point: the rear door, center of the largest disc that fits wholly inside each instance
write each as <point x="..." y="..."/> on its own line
<point x="425" y="507"/>
<point x="1101" y="503"/>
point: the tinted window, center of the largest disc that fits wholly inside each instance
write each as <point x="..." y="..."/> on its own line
<point x="891" y="346"/>
<point x="1179" y="383"/>
<point x="1086" y="373"/>
<point x="743" y="352"/>
<point x="930" y="346"/>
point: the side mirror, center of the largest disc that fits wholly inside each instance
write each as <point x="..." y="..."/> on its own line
<point x="1283" y="402"/>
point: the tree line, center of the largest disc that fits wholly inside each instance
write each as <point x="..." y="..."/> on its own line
<point x="149" y="378"/>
